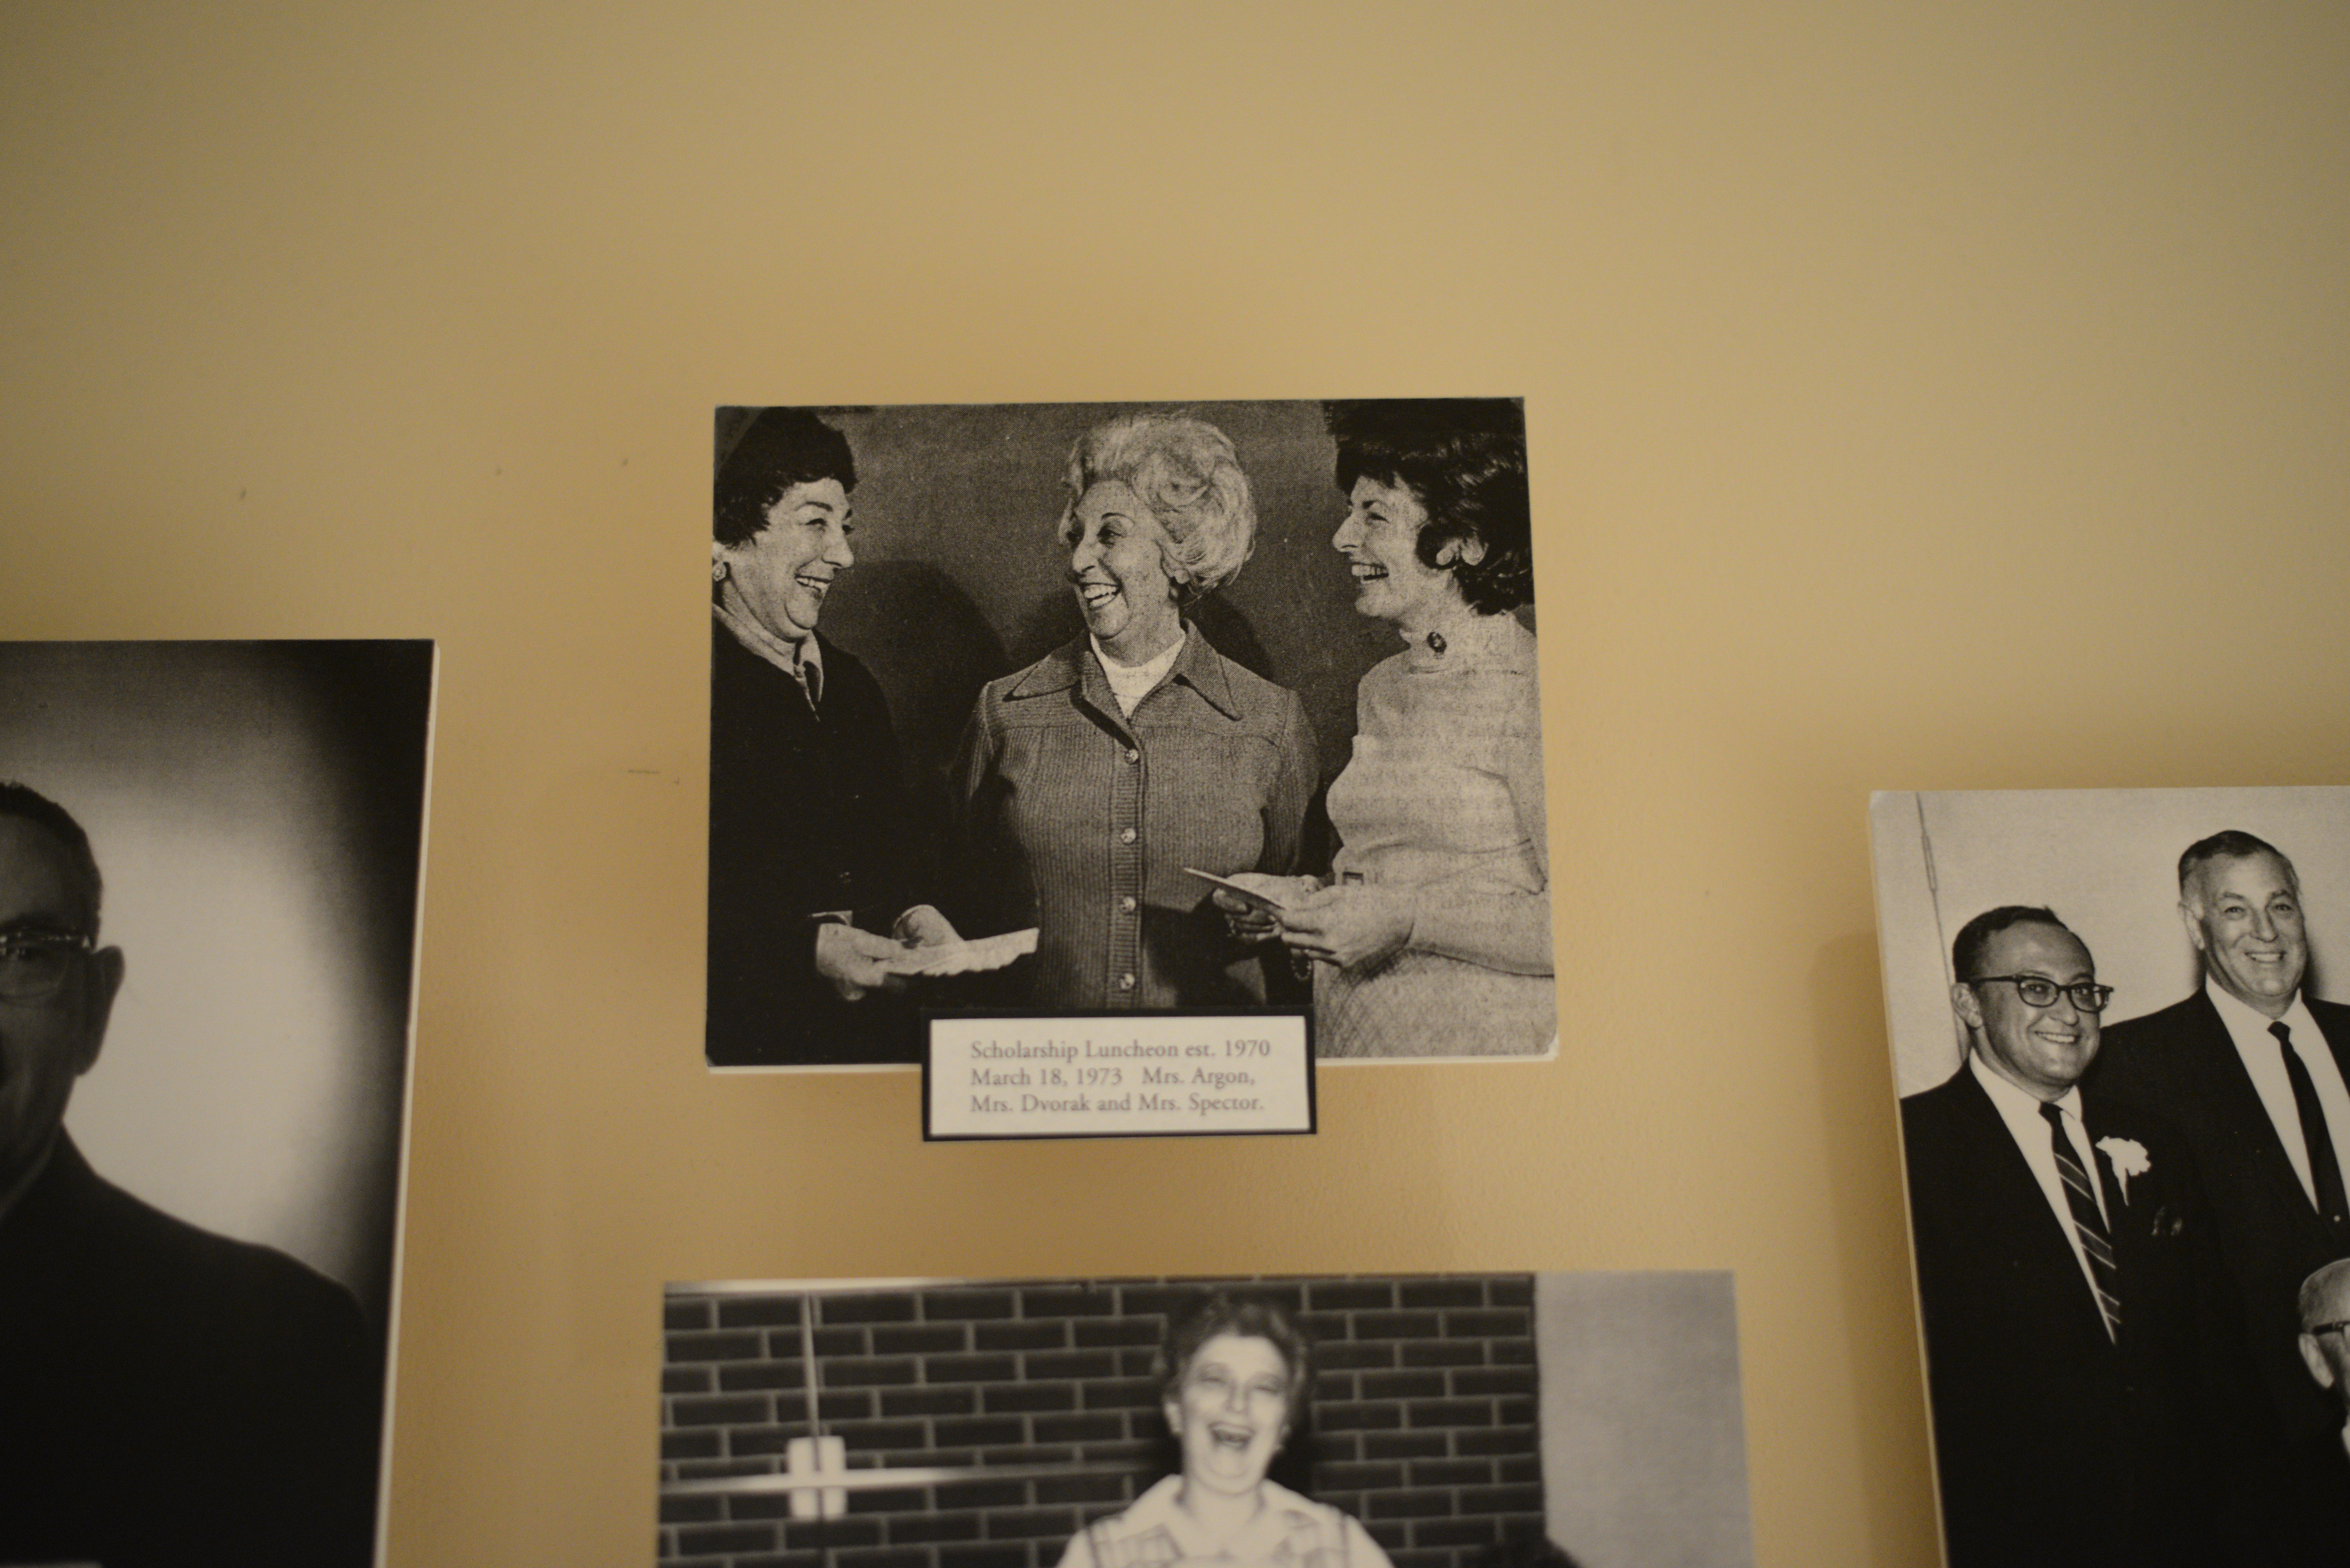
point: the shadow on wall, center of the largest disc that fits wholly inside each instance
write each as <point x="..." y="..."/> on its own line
<point x="930" y="648"/>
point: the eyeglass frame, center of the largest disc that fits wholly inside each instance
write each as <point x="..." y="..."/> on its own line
<point x="2313" y="1330"/>
<point x="2104" y="994"/>
<point x="74" y="944"/>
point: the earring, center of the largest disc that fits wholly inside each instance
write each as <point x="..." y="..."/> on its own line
<point x="717" y="571"/>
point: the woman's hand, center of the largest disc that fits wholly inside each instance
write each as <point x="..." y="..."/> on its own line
<point x="851" y="958"/>
<point x="923" y="927"/>
<point x="1350" y="926"/>
<point x="1250" y="923"/>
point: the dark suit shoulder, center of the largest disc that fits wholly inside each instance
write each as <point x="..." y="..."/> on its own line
<point x="734" y="664"/>
<point x="2164" y="1025"/>
<point x="1951" y="1134"/>
<point x="2334" y="1018"/>
<point x="2143" y="1060"/>
<point x="1956" y="1103"/>
<point x="257" y="1384"/>
<point x="76" y="1225"/>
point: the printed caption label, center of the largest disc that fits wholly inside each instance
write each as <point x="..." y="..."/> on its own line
<point x="1117" y="1075"/>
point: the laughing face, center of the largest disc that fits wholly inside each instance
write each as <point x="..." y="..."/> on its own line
<point x="1119" y="573"/>
<point x="1380" y="540"/>
<point x="2042" y="1051"/>
<point x="1232" y="1413"/>
<point x="779" y="576"/>
<point x="2244" y="914"/>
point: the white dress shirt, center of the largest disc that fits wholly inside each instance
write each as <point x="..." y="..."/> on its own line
<point x="2265" y="1063"/>
<point x="2020" y="1112"/>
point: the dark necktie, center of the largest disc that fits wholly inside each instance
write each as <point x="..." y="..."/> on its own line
<point x="2081" y="1196"/>
<point x="2324" y="1171"/>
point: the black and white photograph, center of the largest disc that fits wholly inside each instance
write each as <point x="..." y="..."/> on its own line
<point x="2121" y="1062"/>
<point x="1506" y="1420"/>
<point x="210" y="861"/>
<point x="1059" y="708"/>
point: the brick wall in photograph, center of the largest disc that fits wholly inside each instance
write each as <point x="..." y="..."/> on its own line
<point x="1422" y="1422"/>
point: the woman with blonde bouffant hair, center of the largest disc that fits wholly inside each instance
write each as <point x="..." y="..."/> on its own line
<point x="1090" y="781"/>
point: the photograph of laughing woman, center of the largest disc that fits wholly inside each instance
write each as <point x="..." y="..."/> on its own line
<point x="1431" y="937"/>
<point x="1235" y="1372"/>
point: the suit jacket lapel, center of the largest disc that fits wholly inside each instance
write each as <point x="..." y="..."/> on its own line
<point x="2222" y="1068"/>
<point x="2042" y="1243"/>
<point x="2337" y="1036"/>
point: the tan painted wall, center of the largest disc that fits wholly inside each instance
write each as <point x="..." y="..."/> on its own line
<point x="1919" y="397"/>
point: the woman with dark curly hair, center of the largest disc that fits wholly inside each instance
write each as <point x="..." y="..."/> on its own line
<point x="1433" y="938"/>
<point x="1235" y="1374"/>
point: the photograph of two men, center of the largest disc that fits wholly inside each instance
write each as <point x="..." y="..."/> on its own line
<point x="2122" y="1062"/>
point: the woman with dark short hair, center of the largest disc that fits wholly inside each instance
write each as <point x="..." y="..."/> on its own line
<point x="815" y="847"/>
<point x="1090" y="781"/>
<point x="1433" y="938"/>
<point x="1237" y="1376"/>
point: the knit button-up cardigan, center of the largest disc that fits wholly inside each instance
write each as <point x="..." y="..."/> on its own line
<point x="1080" y="820"/>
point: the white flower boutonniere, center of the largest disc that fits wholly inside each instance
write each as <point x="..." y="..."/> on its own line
<point x="2128" y="1158"/>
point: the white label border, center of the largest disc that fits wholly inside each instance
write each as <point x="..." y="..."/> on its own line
<point x="1238" y="1019"/>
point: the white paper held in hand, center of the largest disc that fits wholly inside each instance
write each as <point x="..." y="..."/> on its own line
<point x="1248" y="896"/>
<point x="963" y="957"/>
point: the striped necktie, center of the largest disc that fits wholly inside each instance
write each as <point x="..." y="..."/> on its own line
<point x="2087" y="1224"/>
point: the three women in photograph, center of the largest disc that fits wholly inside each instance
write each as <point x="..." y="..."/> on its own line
<point x="1092" y="784"/>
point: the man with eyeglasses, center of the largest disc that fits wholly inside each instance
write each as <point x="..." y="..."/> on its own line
<point x="2084" y="1405"/>
<point x="2252" y="1070"/>
<point x="2320" y="1529"/>
<point x="167" y="1395"/>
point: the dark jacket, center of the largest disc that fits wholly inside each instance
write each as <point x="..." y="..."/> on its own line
<point x="2181" y="1064"/>
<point x="2055" y="1444"/>
<point x="2315" y="1522"/>
<point x="171" y="1397"/>
<point x="809" y="814"/>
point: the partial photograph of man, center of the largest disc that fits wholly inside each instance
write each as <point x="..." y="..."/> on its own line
<point x="816" y="848"/>
<point x="167" y="1395"/>
<point x="2088" y="1392"/>
<point x="2252" y="1070"/>
<point x="2319" y="1513"/>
